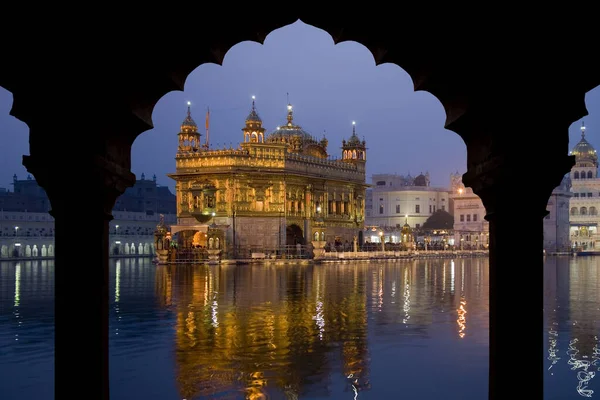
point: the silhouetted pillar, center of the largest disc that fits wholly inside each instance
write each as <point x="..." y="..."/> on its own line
<point x="82" y="191"/>
<point x="515" y="194"/>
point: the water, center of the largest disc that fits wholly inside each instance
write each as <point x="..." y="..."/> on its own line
<point x="410" y="329"/>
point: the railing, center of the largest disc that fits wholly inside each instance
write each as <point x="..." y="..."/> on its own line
<point x="269" y="252"/>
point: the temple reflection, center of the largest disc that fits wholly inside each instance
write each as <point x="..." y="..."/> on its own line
<point x="277" y="331"/>
<point x="266" y="329"/>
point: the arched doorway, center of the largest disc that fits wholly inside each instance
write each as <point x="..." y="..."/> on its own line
<point x="461" y="81"/>
<point x="293" y="235"/>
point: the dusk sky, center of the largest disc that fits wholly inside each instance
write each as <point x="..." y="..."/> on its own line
<point x="329" y="86"/>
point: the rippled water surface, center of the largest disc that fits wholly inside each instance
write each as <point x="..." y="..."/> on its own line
<point x="410" y="329"/>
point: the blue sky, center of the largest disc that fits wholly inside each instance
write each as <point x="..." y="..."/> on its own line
<point x="329" y="86"/>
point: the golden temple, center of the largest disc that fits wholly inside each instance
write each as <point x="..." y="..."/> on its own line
<point x="274" y="190"/>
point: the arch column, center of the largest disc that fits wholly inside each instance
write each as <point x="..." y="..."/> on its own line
<point x="82" y="193"/>
<point x="515" y="193"/>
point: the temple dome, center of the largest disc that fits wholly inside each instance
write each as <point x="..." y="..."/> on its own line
<point x="354" y="140"/>
<point x="290" y="132"/>
<point x="188" y="123"/>
<point x="584" y="150"/>
<point x="253" y="116"/>
<point x="286" y="133"/>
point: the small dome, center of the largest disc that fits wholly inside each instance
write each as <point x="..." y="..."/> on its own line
<point x="584" y="151"/>
<point x="188" y="122"/>
<point x="353" y="141"/>
<point x="253" y="117"/>
<point x="420" y="180"/>
<point x="285" y="133"/>
<point x="290" y="131"/>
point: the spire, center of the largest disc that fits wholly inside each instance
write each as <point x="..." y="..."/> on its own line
<point x="188" y="121"/>
<point x="253" y="117"/>
<point x="582" y="130"/>
<point x="290" y="115"/>
<point x="353" y="128"/>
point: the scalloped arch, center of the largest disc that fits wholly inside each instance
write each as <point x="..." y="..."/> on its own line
<point x="165" y="77"/>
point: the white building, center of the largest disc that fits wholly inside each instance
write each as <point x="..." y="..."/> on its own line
<point x="556" y="223"/>
<point x="471" y="229"/>
<point x="585" y="202"/>
<point x="26" y="234"/>
<point x="393" y="200"/>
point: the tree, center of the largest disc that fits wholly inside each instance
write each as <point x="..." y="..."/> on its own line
<point x="439" y="220"/>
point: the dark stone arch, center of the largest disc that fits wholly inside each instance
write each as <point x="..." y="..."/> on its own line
<point x="490" y="93"/>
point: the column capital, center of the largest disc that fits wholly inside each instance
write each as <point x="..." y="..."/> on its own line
<point x="89" y="183"/>
<point x="508" y="184"/>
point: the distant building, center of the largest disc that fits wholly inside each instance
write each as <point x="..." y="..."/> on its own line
<point x="585" y="202"/>
<point x="471" y="229"/>
<point x="27" y="229"/>
<point x="144" y="196"/>
<point x="147" y="196"/>
<point x="395" y="200"/>
<point x="27" y="195"/>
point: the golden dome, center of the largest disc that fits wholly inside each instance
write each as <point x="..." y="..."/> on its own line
<point x="583" y="151"/>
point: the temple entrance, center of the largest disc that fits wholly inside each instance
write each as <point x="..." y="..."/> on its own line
<point x="189" y="245"/>
<point x="294" y="235"/>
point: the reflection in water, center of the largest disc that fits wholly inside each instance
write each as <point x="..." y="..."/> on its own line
<point x="259" y="329"/>
<point x="17" y="297"/>
<point x="117" y="294"/>
<point x="346" y="331"/>
<point x="572" y="287"/>
<point x="583" y="376"/>
<point x="284" y="332"/>
<point x="406" y="307"/>
<point x="17" y="284"/>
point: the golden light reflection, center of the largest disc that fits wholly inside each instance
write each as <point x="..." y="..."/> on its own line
<point x="406" y="306"/>
<point x="262" y="330"/>
<point x="444" y="279"/>
<point x="380" y="289"/>
<point x="462" y="318"/>
<point x="452" y="276"/>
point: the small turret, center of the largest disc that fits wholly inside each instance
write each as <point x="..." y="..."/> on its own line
<point x="253" y="130"/>
<point x="189" y="137"/>
<point x="353" y="150"/>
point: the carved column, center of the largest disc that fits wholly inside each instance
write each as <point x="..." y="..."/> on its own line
<point x="82" y="193"/>
<point x="515" y="194"/>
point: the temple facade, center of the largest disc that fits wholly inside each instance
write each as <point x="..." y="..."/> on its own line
<point x="585" y="201"/>
<point x="276" y="189"/>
